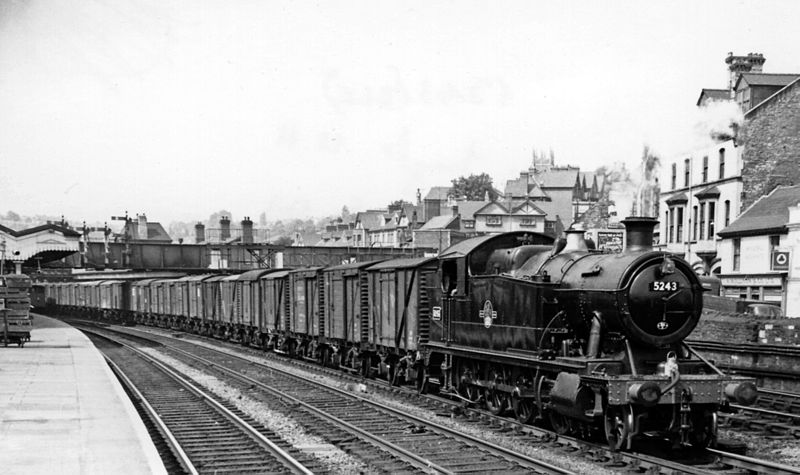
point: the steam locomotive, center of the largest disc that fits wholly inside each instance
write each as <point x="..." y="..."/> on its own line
<point x="590" y="342"/>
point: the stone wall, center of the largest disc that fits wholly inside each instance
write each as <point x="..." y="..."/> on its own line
<point x="771" y="139"/>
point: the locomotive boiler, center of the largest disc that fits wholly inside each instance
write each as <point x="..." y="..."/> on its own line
<point x="590" y="342"/>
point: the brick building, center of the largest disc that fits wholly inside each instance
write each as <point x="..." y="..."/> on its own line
<point x="705" y="189"/>
<point x="771" y="140"/>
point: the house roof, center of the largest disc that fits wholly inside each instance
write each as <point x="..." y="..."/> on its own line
<point x="155" y="231"/>
<point x="527" y="208"/>
<point x="438" y="193"/>
<point x="467" y="209"/>
<point x="767" y="215"/>
<point x="439" y="222"/>
<point x="65" y="231"/>
<point x="370" y="219"/>
<point x="714" y="95"/>
<point x="558" y="177"/>
<point x="757" y="79"/>
<point x="492" y="208"/>
<point x="769" y="100"/>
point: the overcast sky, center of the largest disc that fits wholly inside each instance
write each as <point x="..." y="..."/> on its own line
<point x="181" y="108"/>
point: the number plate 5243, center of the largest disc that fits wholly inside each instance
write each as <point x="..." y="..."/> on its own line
<point x="659" y="286"/>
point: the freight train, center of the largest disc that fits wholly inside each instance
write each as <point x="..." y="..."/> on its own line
<point x="15" y="305"/>
<point x="589" y="342"/>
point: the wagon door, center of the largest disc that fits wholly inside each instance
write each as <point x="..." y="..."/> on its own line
<point x="339" y="308"/>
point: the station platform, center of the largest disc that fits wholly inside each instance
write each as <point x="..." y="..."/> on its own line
<point x="62" y="411"/>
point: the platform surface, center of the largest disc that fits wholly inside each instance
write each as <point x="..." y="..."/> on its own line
<point x="62" y="411"/>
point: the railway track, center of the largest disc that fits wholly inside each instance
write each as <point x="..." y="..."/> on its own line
<point x="395" y="441"/>
<point x="203" y="435"/>
<point x="711" y="461"/>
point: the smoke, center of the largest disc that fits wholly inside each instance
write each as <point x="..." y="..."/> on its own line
<point x="633" y="192"/>
<point x="717" y="121"/>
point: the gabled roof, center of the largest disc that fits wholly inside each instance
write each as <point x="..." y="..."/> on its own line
<point x="768" y="215"/>
<point x="758" y="79"/>
<point x="370" y="219"/>
<point x="527" y="208"/>
<point x="492" y="208"/>
<point x="535" y="192"/>
<point x="713" y="95"/>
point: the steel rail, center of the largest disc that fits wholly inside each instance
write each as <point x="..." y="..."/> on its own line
<point x="756" y="465"/>
<point x="169" y="437"/>
<point x="289" y="461"/>
<point x="425" y="464"/>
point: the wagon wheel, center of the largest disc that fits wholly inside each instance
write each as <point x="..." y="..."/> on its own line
<point x="496" y="401"/>
<point x="559" y="422"/>
<point x="524" y="409"/>
<point x="618" y="425"/>
<point x="704" y="430"/>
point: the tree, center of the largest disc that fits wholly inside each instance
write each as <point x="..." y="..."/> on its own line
<point x="213" y="220"/>
<point x="397" y="205"/>
<point x="283" y="241"/>
<point x="474" y="187"/>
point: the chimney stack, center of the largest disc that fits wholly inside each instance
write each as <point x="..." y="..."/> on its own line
<point x="142" y="226"/>
<point x="737" y="65"/>
<point x="639" y="233"/>
<point x="224" y="228"/>
<point x="199" y="233"/>
<point x="247" y="230"/>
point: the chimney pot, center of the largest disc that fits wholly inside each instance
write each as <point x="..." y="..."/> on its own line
<point x="639" y="233"/>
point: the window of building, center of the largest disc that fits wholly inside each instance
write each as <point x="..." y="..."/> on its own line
<point x="774" y="243"/>
<point x="737" y="253"/>
<point x="527" y="222"/>
<point x="672" y="225"/>
<point x="712" y="205"/>
<point x="694" y="223"/>
<point x="494" y="220"/>
<point x="674" y="175"/>
<point x="550" y="227"/>
<point x="727" y="212"/>
<point x="469" y="224"/>
<point x="721" y="163"/>
<point x="686" y="171"/>
<point x="679" y="219"/>
<point x="666" y="225"/>
<point x="705" y="169"/>
<point x="702" y="221"/>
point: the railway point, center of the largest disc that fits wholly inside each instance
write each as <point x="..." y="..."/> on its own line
<point x="63" y="411"/>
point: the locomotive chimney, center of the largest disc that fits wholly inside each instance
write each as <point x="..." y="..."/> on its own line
<point x="575" y="239"/>
<point x="224" y="228"/>
<point x="639" y="233"/>
<point x="199" y="233"/>
<point x="247" y="231"/>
